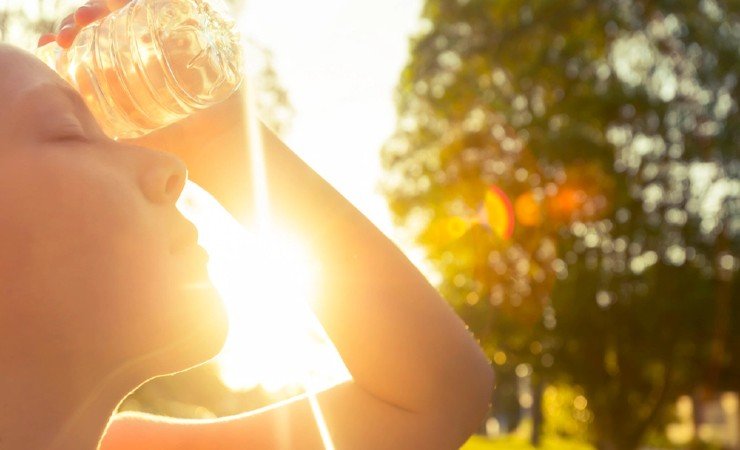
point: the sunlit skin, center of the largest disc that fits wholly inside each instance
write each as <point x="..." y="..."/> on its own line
<point x="102" y="285"/>
<point x="419" y="379"/>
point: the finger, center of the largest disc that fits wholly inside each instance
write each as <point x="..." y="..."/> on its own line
<point x="46" y="38"/>
<point x="67" y="35"/>
<point x="97" y="4"/>
<point x="116" y="4"/>
<point x="88" y="14"/>
<point x="69" y="20"/>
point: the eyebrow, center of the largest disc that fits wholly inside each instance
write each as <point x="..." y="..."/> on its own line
<point x="72" y="97"/>
<point x="75" y="97"/>
<point x="66" y="90"/>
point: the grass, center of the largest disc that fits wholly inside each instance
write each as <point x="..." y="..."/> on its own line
<point x="517" y="443"/>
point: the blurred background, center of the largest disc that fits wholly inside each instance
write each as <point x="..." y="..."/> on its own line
<point x="566" y="173"/>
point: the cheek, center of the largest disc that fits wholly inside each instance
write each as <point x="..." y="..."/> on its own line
<point x="77" y="236"/>
<point x="88" y="262"/>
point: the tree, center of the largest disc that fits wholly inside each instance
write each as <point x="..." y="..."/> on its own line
<point x="612" y="125"/>
<point x="23" y="25"/>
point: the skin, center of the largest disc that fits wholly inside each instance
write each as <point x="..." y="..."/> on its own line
<point x="101" y="282"/>
<point x="419" y="379"/>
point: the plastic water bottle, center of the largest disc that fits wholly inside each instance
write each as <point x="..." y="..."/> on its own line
<point x="152" y="63"/>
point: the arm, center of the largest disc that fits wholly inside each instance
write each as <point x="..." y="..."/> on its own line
<point x="420" y="381"/>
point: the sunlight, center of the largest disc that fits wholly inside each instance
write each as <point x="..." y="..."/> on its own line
<point x="266" y="279"/>
<point x="321" y="423"/>
<point x="274" y="340"/>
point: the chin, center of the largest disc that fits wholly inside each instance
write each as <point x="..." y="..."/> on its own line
<point x="197" y="335"/>
<point x="210" y="328"/>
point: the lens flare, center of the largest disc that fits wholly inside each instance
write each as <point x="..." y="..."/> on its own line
<point x="267" y="280"/>
<point x="528" y="210"/>
<point x="497" y="213"/>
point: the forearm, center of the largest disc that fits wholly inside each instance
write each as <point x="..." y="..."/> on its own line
<point x="354" y="419"/>
<point x="399" y="339"/>
<point x="212" y="144"/>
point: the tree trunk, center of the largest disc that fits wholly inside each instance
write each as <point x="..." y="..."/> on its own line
<point x="612" y="435"/>
<point x="607" y="445"/>
<point x="483" y="427"/>
<point x="537" y="418"/>
<point x="697" y="416"/>
<point x="616" y="444"/>
<point x="506" y="402"/>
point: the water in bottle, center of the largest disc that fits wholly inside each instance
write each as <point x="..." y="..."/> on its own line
<point x="152" y="63"/>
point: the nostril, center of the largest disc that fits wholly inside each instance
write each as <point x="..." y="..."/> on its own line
<point x="174" y="186"/>
<point x="162" y="177"/>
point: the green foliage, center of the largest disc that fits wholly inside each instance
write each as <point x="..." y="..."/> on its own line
<point x="566" y="413"/>
<point x="22" y="23"/>
<point x="515" y="443"/>
<point x="613" y="126"/>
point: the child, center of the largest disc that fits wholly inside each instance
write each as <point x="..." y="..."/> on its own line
<point x="97" y="269"/>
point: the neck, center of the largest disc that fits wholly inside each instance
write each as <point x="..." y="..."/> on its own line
<point x="48" y="407"/>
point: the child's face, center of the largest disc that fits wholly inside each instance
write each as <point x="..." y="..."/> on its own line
<point x="96" y="264"/>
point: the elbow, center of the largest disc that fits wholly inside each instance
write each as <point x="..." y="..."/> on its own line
<point x="478" y="384"/>
<point x="482" y="385"/>
<point x="473" y="401"/>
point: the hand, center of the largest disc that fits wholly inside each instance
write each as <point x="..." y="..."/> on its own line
<point x="200" y="127"/>
<point x="212" y="142"/>
<point x="84" y="15"/>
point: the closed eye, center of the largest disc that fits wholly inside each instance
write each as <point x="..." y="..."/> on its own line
<point x="68" y="130"/>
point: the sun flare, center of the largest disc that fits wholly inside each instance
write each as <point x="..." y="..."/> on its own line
<point x="267" y="280"/>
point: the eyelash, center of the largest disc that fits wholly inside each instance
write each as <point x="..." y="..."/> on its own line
<point x="70" y="132"/>
<point x="71" y="138"/>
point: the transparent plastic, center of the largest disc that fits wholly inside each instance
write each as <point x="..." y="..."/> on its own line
<point x="152" y="63"/>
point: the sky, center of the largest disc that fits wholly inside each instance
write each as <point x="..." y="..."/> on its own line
<point x="340" y="61"/>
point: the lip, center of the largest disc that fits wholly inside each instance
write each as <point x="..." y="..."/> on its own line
<point x="194" y="261"/>
<point x="194" y="252"/>
<point x="186" y="239"/>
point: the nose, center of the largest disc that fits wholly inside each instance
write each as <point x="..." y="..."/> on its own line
<point x="162" y="177"/>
